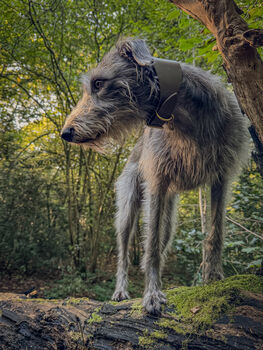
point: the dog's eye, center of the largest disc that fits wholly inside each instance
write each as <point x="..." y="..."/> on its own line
<point x="98" y="84"/>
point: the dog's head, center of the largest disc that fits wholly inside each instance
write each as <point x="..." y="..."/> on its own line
<point x="117" y="95"/>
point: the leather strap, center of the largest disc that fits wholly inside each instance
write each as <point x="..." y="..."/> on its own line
<point x="170" y="76"/>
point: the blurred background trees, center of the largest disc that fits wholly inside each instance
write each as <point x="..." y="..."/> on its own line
<point x="56" y="200"/>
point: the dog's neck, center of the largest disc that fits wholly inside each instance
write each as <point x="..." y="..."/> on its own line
<point x="170" y="77"/>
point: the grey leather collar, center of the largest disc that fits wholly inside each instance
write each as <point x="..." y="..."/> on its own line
<point x="170" y="77"/>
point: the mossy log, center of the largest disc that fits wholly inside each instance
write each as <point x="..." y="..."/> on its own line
<point x="223" y="315"/>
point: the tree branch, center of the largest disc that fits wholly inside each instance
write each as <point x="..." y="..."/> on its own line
<point x="244" y="228"/>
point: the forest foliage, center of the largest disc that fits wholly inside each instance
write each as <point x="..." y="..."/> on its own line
<point x="57" y="201"/>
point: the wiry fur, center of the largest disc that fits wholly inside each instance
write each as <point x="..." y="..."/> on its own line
<point x="206" y="144"/>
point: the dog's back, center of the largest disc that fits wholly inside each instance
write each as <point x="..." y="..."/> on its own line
<point x="209" y="138"/>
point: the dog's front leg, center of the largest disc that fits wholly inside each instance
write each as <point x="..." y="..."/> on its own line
<point x="153" y="297"/>
<point x="128" y="203"/>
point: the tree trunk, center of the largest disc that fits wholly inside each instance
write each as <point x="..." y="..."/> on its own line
<point x="85" y="324"/>
<point x="237" y="45"/>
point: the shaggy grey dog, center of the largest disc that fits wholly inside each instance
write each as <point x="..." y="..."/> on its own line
<point x="206" y="142"/>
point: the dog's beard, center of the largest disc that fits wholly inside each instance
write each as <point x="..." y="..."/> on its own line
<point x="114" y="132"/>
<point x="101" y="145"/>
<point x="95" y="147"/>
<point x="108" y="143"/>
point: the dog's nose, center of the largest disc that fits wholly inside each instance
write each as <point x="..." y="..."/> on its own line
<point x="68" y="134"/>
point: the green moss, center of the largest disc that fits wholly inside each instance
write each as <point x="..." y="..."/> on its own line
<point x="97" y="309"/>
<point x="212" y="301"/>
<point x="251" y="283"/>
<point x="150" y="340"/>
<point x="42" y="300"/>
<point x="67" y="301"/>
<point x="173" y="324"/>
<point x="145" y="340"/>
<point x="76" y="336"/>
<point x="159" y="334"/>
<point x="76" y="300"/>
<point x="126" y="301"/>
<point x="94" y="318"/>
<point x="136" y="308"/>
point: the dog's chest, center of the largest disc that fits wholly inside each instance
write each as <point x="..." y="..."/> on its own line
<point x="178" y="160"/>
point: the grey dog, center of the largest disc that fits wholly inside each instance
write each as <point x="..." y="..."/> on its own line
<point x="204" y="140"/>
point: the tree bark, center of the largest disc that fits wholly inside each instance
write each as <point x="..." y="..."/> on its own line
<point x="86" y="324"/>
<point x="237" y="45"/>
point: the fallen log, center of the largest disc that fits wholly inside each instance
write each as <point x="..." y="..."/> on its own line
<point x="223" y="315"/>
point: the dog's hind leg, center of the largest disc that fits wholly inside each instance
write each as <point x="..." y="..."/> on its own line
<point x="213" y="244"/>
<point x="128" y="191"/>
<point x="168" y="222"/>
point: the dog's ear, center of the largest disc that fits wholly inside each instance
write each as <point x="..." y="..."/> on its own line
<point x="135" y="50"/>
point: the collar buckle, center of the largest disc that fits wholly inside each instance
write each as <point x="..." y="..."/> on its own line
<point x="163" y="118"/>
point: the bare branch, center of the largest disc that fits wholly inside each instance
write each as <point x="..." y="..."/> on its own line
<point x="40" y="31"/>
<point x="258" y="235"/>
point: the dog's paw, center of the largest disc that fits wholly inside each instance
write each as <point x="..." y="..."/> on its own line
<point x="120" y="295"/>
<point x="152" y="302"/>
